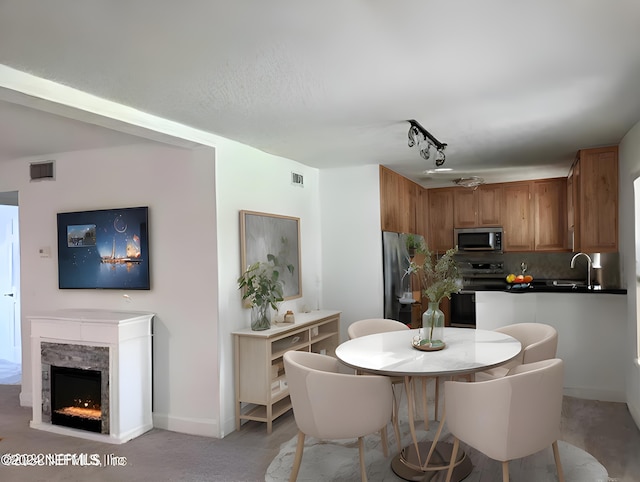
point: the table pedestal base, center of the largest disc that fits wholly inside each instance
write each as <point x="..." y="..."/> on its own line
<point x="406" y="465"/>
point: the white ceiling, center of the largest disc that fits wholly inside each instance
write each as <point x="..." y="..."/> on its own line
<point x="513" y="88"/>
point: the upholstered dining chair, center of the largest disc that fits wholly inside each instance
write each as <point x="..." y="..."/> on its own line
<point x="374" y="325"/>
<point x="382" y="325"/>
<point x="510" y="417"/>
<point x="331" y="405"/>
<point x="539" y="342"/>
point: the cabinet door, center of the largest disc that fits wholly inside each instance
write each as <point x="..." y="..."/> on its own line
<point x="598" y="200"/>
<point x="490" y="205"/>
<point x="571" y="212"/>
<point x="398" y="198"/>
<point x="550" y="214"/>
<point x="465" y="208"/>
<point x="408" y="199"/>
<point x="390" y="195"/>
<point x="441" y="219"/>
<point x="422" y="213"/>
<point x="517" y="219"/>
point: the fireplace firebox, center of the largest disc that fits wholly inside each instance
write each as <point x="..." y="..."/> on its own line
<point x="76" y="398"/>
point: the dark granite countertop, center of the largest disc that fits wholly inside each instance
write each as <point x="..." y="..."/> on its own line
<point x="547" y="286"/>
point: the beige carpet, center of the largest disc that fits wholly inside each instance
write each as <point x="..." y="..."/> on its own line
<point x="338" y="461"/>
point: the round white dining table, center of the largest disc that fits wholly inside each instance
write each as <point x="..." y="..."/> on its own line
<point x="392" y="354"/>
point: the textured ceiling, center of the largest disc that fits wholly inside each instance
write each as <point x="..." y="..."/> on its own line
<point x="513" y="88"/>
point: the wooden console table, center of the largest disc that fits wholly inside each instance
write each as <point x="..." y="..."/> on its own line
<point x="261" y="388"/>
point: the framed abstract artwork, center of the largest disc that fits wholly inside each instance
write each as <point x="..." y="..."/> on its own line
<point x="263" y="234"/>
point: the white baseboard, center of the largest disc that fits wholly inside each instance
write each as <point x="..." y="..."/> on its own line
<point x="25" y="399"/>
<point x="596" y="394"/>
<point x="192" y="426"/>
<point x="635" y="413"/>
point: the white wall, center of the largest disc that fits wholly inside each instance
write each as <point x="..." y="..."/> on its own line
<point x="178" y="186"/>
<point x="352" y="278"/>
<point x="249" y="179"/>
<point x="629" y="158"/>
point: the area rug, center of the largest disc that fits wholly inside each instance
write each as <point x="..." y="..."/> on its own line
<point x="337" y="461"/>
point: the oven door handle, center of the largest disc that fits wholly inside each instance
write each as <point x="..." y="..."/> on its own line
<point x="467" y="292"/>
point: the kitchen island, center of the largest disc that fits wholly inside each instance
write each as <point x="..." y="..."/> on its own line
<point x="592" y="333"/>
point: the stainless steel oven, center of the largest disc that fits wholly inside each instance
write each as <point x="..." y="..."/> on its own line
<point x="480" y="273"/>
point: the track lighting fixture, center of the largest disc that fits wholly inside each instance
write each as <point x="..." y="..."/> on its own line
<point x="420" y="137"/>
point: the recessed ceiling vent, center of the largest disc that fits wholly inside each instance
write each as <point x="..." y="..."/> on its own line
<point x="297" y="179"/>
<point x="40" y="171"/>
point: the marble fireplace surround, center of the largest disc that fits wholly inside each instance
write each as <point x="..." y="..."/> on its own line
<point x="83" y="357"/>
<point x="116" y="343"/>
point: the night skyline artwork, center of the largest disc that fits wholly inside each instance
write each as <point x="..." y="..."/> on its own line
<point x="104" y="249"/>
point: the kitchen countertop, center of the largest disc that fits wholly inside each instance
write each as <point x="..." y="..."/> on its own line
<point x="544" y="286"/>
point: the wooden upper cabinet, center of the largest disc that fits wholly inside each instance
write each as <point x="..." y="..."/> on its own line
<point x="596" y="201"/>
<point x="441" y="219"/>
<point x="465" y="207"/>
<point x="390" y="203"/>
<point x="478" y="207"/>
<point x="422" y="213"/>
<point x="550" y="214"/>
<point x="401" y="208"/>
<point x="517" y="219"/>
<point x="571" y="210"/>
<point x="490" y="205"/>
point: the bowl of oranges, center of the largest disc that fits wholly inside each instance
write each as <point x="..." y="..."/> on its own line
<point x="519" y="282"/>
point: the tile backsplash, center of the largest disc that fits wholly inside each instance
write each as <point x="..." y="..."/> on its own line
<point x="558" y="266"/>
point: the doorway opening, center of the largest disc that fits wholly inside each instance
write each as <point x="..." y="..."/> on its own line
<point x="10" y="332"/>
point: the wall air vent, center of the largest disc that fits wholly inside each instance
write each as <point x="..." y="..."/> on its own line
<point x="297" y="179"/>
<point x="39" y="171"/>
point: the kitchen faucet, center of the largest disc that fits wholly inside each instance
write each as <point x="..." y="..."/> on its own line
<point x="573" y="262"/>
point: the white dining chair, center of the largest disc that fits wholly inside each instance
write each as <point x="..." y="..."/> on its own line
<point x="539" y="342"/>
<point x="371" y="326"/>
<point x="510" y="417"/>
<point x="329" y="405"/>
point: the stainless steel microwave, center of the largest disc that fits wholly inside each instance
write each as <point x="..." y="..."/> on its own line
<point x="478" y="239"/>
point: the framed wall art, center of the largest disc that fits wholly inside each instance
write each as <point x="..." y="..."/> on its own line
<point x="104" y="249"/>
<point x="262" y="234"/>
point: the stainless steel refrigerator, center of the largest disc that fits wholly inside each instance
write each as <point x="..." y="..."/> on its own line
<point x="397" y="285"/>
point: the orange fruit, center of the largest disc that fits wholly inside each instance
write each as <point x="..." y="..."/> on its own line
<point x="528" y="278"/>
<point x="520" y="278"/>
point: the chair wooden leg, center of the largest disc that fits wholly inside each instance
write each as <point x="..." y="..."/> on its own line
<point x="395" y="417"/>
<point x="454" y="456"/>
<point x="363" y="469"/>
<point x="425" y="408"/>
<point x="298" y="458"/>
<point x="437" y="383"/>
<point x="385" y="441"/>
<point x="556" y="455"/>
<point x="505" y="471"/>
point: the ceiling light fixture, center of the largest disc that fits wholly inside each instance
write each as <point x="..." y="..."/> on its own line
<point x="471" y="182"/>
<point x="420" y="137"/>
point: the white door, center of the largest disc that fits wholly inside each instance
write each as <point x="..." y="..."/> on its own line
<point x="10" y="340"/>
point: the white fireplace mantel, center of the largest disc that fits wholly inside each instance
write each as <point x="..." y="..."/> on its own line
<point x="128" y="337"/>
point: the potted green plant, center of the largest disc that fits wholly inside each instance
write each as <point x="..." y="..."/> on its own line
<point x="413" y="243"/>
<point x="439" y="278"/>
<point x="263" y="289"/>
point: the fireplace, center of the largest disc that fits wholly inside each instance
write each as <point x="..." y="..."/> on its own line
<point x="92" y="374"/>
<point x="75" y="398"/>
